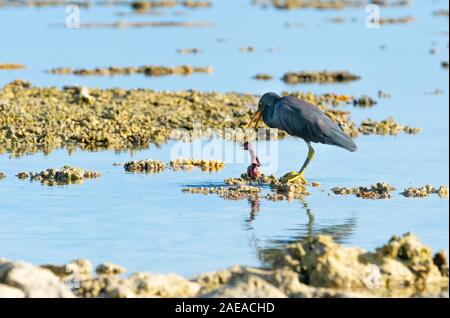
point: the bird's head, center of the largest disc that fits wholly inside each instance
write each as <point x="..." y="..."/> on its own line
<point x="266" y="101"/>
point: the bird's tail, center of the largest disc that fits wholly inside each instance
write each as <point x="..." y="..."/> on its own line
<point x="343" y="140"/>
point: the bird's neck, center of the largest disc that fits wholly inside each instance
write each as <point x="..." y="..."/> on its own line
<point x="270" y="116"/>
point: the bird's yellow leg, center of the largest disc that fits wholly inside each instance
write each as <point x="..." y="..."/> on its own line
<point x="294" y="177"/>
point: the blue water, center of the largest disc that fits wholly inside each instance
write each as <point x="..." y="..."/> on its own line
<point x="145" y="222"/>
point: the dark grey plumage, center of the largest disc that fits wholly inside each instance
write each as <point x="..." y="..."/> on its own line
<point x="302" y="119"/>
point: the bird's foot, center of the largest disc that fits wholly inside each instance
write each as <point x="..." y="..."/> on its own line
<point x="294" y="177"/>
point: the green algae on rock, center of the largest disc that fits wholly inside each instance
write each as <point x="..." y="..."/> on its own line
<point x="147" y="165"/>
<point x="63" y="176"/>
<point x="380" y="190"/>
<point x="148" y="70"/>
<point x="319" y="77"/>
<point x="425" y="191"/>
<point x="441" y="13"/>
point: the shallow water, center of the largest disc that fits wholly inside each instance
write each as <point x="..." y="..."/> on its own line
<point x="145" y="222"/>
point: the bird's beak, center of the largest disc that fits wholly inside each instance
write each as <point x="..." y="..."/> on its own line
<point x="255" y="119"/>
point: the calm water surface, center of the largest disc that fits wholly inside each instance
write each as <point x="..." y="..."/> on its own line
<point x="145" y="222"/>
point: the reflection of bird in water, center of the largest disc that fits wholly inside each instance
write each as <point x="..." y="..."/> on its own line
<point x="300" y="119"/>
<point x="339" y="232"/>
<point x="254" y="209"/>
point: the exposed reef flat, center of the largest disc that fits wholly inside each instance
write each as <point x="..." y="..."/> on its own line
<point x="36" y="119"/>
<point x="314" y="267"/>
<point x="319" y="77"/>
<point x="148" y="70"/>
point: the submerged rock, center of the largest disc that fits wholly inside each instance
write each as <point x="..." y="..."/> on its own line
<point x="147" y="165"/>
<point x="441" y="13"/>
<point x="189" y="51"/>
<point x="2" y="175"/>
<point x="248" y="49"/>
